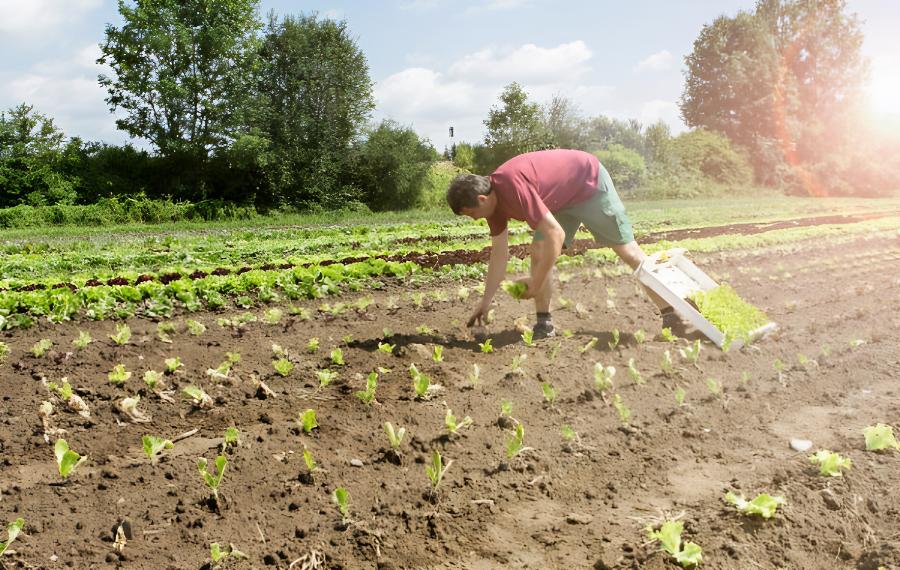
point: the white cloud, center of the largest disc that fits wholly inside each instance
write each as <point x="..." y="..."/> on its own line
<point x="495" y="6"/>
<point x="659" y="61"/>
<point x="526" y="64"/>
<point x="419" y="4"/>
<point x="27" y="17"/>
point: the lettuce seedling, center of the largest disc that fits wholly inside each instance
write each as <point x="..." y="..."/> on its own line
<point x="395" y="437"/>
<point x="337" y="356"/>
<point x="163" y="332"/>
<point x="515" y="445"/>
<point x="66" y="459"/>
<point x="386" y="348"/>
<point x="634" y="373"/>
<point x="152" y="378"/>
<point x="307" y="420"/>
<point x="830" y="463"/>
<point x="549" y="393"/>
<point x="624" y="412"/>
<point x="196" y="328"/>
<point x="666" y="334"/>
<point x="308" y="460"/>
<point x="198" y="397"/>
<point x="603" y="377"/>
<point x="517" y="361"/>
<point x="475" y="375"/>
<point x="41" y="347"/>
<point x="421" y="382"/>
<point x="173" y="364"/>
<point x="313" y="345"/>
<point x="326" y="377"/>
<point x="506" y="408"/>
<point x="283" y="366"/>
<point x="12" y="531"/>
<point x="462" y="293"/>
<point x="123" y="334"/>
<point x="691" y="353"/>
<point x="386" y="332"/>
<point x="438" y="355"/>
<point x="528" y="337"/>
<point x="615" y="340"/>
<point x="763" y="505"/>
<point x="424" y="330"/>
<point x="453" y="426"/>
<point x="640" y="336"/>
<point x="118" y="375"/>
<point x="590" y="344"/>
<point x="217" y="553"/>
<point x="669" y="537"/>
<point x="515" y="289"/>
<point x="84" y="339"/>
<point x="880" y="436"/>
<point x="224" y="369"/>
<point x="568" y="433"/>
<point x="278" y="351"/>
<point x="347" y="338"/>
<point x="554" y="350"/>
<point x="367" y="396"/>
<point x="680" y="395"/>
<point x="714" y="387"/>
<point x="436" y="470"/>
<point x="667" y="366"/>
<point x="272" y="316"/>
<point x="341" y="498"/>
<point x="231" y="438"/>
<point x="154" y="445"/>
<point x="213" y="481"/>
<point x="486" y="347"/>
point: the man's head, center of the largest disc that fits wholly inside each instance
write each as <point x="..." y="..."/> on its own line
<point x="470" y="195"/>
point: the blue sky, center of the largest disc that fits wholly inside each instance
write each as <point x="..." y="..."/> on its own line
<point x="437" y="63"/>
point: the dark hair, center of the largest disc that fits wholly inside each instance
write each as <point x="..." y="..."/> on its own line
<point x="465" y="189"/>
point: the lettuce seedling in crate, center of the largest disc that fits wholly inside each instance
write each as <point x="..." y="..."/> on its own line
<point x="337" y="356"/>
<point x="691" y="353"/>
<point x="590" y="344"/>
<point x="341" y="498"/>
<point x="634" y="373"/>
<point x="154" y="445"/>
<point x="603" y="377"/>
<point x="386" y="347"/>
<point x="830" y="463"/>
<point x="173" y="364"/>
<point x="118" y="375"/>
<point x="528" y="337"/>
<point x="763" y="505"/>
<point x="880" y="436"/>
<point x="549" y="393"/>
<point x="12" y="531"/>
<point x="326" y="377"/>
<point x="669" y="537"/>
<point x="213" y="481"/>
<point x="196" y="328"/>
<point x="615" y="340"/>
<point x="123" y="334"/>
<point x="486" y="346"/>
<point x="41" y="347"/>
<point x="453" y="426"/>
<point x="198" y="397"/>
<point x="436" y="470"/>
<point x="84" y="339"/>
<point x="624" y="412"/>
<point x="307" y="420"/>
<point x="66" y="459"/>
<point x="313" y="345"/>
<point x="367" y="396"/>
<point x="283" y="367"/>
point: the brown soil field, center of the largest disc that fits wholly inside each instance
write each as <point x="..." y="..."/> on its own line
<point x="564" y="504"/>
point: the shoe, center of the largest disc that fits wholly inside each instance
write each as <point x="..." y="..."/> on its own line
<point x="544" y="330"/>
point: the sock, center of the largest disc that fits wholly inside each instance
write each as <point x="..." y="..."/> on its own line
<point x="543" y="318"/>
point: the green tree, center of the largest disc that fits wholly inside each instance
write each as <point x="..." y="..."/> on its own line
<point x="464" y="156"/>
<point x="513" y="127"/>
<point x="626" y="167"/>
<point x="711" y="154"/>
<point x="316" y="96"/>
<point x="181" y="71"/>
<point x="604" y="131"/>
<point x="564" y="124"/>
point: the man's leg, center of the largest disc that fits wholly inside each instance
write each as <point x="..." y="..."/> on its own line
<point x="544" y="326"/>
<point x="632" y="254"/>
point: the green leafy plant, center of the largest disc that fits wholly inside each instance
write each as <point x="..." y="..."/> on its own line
<point x="341" y="498"/>
<point x="152" y="379"/>
<point x="515" y="289"/>
<point x="725" y="309"/>
<point x="515" y="445"/>
<point x="568" y="433"/>
<point x="830" y="463"/>
<point x="41" y="347"/>
<point x="224" y="369"/>
<point x="528" y="337"/>
<point x="283" y="366"/>
<point x="154" y="445"/>
<point x="437" y="470"/>
<point x="680" y="394"/>
<point x="367" y="396"/>
<point x="309" y="460"/>
<point x="640" y="336"/>
<point x="666" y="334"/>
<point x="272" y="316"/>
<point x="506" y="408"/>
<point x="164" y="331"/>
<point x="386" y="348"/>
<point x="438" y="355"/>
<point x="763" y="505"/>
<point x="118" y="375"/>
<point x="603" y="377"/>
<point x="691" y="353"/>
<point x="231" y="438"/>
<point x="308" y="420"/>
<point x="517" y="361"/>
<point x="453" y="426"/>
<point x="590" y="344"/>
<point x="669" y="537"/>
<point x="880" y="436"/>
<point x="84" y="339"/>
<point x="196" y="328"/>
<point x="395" y="437"/>
<point x="66" y="459"/>
<point x="386" y="332"/>
<point x="326" y="377"/>
<point x="13" y="530"/>
<point x="218" y="553"/>
<point x="624" y="412"/>
<point x="198" y="397"/>
<point x="421" y="382"/>
<point x="123" y="334"/>
<point x="475" y="375"/>
<point x="549" y="393"/>
<point x="667" y="366"/>
<point x="714" y="387"/>
<point x="486" y="346"/>
<point x="425" y="330"/>
<point x="313" y="345"/>
<point x="634" y="373"/>
<point x="278" y="351"/>
<point x="347" y="338"/>
<point x="615" y="340"/>
<point x="173" y="364"/>
<point x="213" y="481"/>
<point x="337" y="356"/>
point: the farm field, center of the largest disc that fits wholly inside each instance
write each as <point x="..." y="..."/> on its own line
<point x="269" y="322"/>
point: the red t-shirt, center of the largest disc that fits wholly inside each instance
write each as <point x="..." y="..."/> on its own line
<point x="531" y="184"/>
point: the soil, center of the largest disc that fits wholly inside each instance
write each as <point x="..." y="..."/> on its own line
<point x="580" y="504"/>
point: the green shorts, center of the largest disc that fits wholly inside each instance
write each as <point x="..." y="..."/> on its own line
<point x="603" y="215"/>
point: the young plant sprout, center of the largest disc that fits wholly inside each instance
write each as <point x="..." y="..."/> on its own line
<point x="308" y="420"/>
<point x="164" y="330"/>
<point x="198" y="397"/>
<point x="515" y="289"/>
<point x="640" y="336"/>
<point x="154" y="445"/>
<point x="634" y="373"/>
<point x="669" y="537"/>
<point x="615" y="340"/>
<point x="714" y="387"/>
<point x="367" y="396"/>
<point x="326" y="377"/>
<point x="313" y="345"/>
<point x="337" y="356"/>
<point x="224" y="369"/>
<point x="438" y="355"/>
<point x="231" y="438"/>
<point x="880" y="436"/>
<point x="213" y="481"/>
<point x="590" y="344"/>
<point x="386" y="332"/>
<point x="667" y="366"/>
<point x="421" y="382"/>
<point x="462" y="293"/>
<point x="123" y="334"/>
<point x="66" y="459"/>
<point x="667" y="335"/>
<point x="278" y="351"/>
<point x="475" y="375"/>
<point x="554" y="350"/>
<point x="763" y="505"/>
<point x="453" y="426"/>
<point x="386" y="348"/>
<point x="486" y="346"/>
<point x="506" y="408"/>
<point x="568" y="433"/>
<point x="196" y="328"/>
<point x="624" y="412"/>
<point x="517" y="361"/>
<point x="425" y="330"/>
<point x="436" y="470"/>
<point x="152" y="379"/>
<point x="691" y="353"/>
<point x="603" y="377"/>
<point x="347" y="338"/>
<point x="173" y="364"/>
<point x="118" y="375"/>
<point x="549" y="393"/>
<point x="568" y="333"/>
<point x="515" y="445"/>
<point x="272" y="316"/>
<point x="830" y="463"/>
<point x="217" y="553"/>
<point x="395" y="437"/>
<point x="41" y="347"/>
<point x="418" y="299"/>
<point x="84" y="339"/>
<point x="680" y="395"/>
<point x="283" y="367"/>
<point x="341" y="498"/>
<point x="128" y="406"/>
<point x="12" y="531"/>
<point x="528" y="337"/>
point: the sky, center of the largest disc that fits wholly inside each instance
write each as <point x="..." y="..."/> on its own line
<point x="437" y="63"/>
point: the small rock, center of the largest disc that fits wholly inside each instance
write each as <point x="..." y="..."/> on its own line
<point x="831" y="501"/>
<point x="577" y="518"/>
<point x="356" y="462"/>
<point x="801" y="445"/>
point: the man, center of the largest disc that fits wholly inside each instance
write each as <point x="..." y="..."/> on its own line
<point x="555" y="192"/>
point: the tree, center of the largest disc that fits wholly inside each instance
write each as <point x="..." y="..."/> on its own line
<point x="513" y="127"/>
<point x="316" y="96"/>
<point x="626" y="167"/>
<point x="604" y="131"/>
<point x="181" y="71"/>
<point x="564" y="125"/>
<point x="712" y="155"/>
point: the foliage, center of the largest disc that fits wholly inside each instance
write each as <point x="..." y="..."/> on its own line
<point x="308" y="420"/>
<point x="549" y="393"/>
<point x="669" y="537"/>
<point x="725" y="309"/>
<point x="512" y="127"/>
<point x="712" y="155"/>
<point x="154" y="445"/>
<point x="213" y="481"/>
<point x="486" y="347"/>
<point x="395" y="437"/>
<point x="626" y="167"/>
<point x="437" y="470"/>
<point x="622" y="409"/>
<point x="603" y="377"/>
<point x="515" y="445"/>
<point x="118" y="375"/>
<point x="341" y="498"/>
<point x="12" y="531"/>
<point x="283" y="366"/>
<point x="367" y="396"/>
<point x="66" y="459"/>
<point x="515" y="289"/>
<point x="880" y="436"/>
<point x="763" y="505"/>
<point x="830" y="463"/>
<point x="421" y="382"/>
<point x="122" y="335"/>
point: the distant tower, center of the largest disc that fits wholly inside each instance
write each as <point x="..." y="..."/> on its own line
<point x="452" y="145"/>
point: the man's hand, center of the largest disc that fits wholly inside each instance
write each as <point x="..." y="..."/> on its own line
<point x="479" y="317"/>
<point x="529" y="291"/>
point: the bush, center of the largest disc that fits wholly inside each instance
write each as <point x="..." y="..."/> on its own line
<point x="464" y="156"/>
<point x="434" y="193"/>
<point x="712" y="155"/>
<point x="626" y="167"/>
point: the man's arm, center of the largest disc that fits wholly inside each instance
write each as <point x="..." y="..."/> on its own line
<point x="496" y="273"/>
<point x="551" y="247"/>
